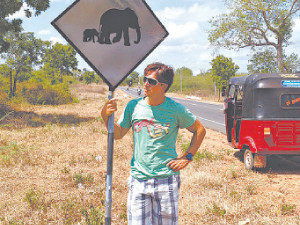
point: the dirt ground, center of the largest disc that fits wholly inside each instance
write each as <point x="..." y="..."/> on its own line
<point x="53" y="167"/>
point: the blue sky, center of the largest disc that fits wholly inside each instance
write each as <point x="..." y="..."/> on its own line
<point x="187" y="23"/>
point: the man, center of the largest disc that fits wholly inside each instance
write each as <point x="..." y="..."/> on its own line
<point x="155" y="119"/>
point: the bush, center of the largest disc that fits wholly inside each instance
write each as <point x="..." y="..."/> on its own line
<point x="3" y="97"/>
<point x="39" y="94"/>
<point x="196" y="85"/>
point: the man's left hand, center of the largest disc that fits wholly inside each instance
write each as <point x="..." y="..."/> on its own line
<point x="178" y="163"/>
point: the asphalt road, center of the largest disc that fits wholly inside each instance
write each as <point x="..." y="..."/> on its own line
<point x="210" y="114"/>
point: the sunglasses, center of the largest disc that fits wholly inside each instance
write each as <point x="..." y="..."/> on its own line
<point x="151" y="81"/>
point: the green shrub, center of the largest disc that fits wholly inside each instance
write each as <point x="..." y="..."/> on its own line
<point x="39" y="94"/>
<point x="216" y="210"/>
<point x="3" y="97"/>
<point x="287" y="209"/>
<point x="94" y="216"/>
<point x="33" y="198"/>
<point x="80" y="178"/>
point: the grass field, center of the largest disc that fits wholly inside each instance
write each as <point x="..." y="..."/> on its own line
<point x="53" y="167"/>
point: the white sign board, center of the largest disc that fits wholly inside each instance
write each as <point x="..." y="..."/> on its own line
<point x="113" y="36"/>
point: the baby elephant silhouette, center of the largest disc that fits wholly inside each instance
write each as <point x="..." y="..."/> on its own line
<point x="118" y="21"/>
<point x="90" y="34"/>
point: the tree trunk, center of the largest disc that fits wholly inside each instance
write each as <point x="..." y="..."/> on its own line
<point x="10" y="84"/>
<point x="280" y="58"/>
<point x="15" y="84"/>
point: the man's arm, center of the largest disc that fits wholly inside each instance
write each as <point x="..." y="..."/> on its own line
<point x="198" y="135"/>
<point x="109" y="108"/>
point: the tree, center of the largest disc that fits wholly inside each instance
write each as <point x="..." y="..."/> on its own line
<point x="183" y="73"/>
<point x="133" y="78"/>
<point x="23" y="54"/>
<point x="222" y="69"/>
<point x="9" y="7"/>
<point x="265" y="62"/>
<point x="256" y="23"/>
<point x="62" y="58"/>
<point x="89" y="77"/>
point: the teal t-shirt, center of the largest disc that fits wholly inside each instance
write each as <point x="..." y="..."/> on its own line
<point x="155" y="130"/>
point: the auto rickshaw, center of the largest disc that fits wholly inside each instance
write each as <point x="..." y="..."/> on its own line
<point x="262" y="116"/>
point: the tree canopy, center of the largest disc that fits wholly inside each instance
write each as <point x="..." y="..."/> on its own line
<point x="23" y="54"/>
<point x="222" y="69"/>
<point x="9" y="7"/>
<point x="265" y="62"/>
<point x="255" y="23"/>
<point x="61" y="58"/>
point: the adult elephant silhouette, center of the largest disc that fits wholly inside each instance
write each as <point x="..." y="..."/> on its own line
<point x="118" y="21"/>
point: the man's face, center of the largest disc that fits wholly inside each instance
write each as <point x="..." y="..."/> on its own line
<point x="152" y="87"/>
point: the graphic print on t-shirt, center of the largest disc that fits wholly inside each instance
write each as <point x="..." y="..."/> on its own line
<point x="154" y="129"/>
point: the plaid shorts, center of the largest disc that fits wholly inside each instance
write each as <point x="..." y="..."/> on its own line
<point x="153" y="201"/>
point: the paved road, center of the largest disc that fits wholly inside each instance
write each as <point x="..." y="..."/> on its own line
<point x="210" y="114"/>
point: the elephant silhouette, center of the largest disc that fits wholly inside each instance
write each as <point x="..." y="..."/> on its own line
<point x="89" y="35"/>
<point x="118" y="21"/>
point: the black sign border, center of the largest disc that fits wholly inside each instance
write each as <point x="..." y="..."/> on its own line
<point x="111" y="87"/>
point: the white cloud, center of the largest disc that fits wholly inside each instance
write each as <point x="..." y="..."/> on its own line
<point x="178" y="31"/>
<point x="19" y="14"/>
<point x="297" y="25"/>
<point x="196" y="13"/>
<point x="44" y="32"/>
<point x="57" y="40"/>
<point x="187" y="24"/>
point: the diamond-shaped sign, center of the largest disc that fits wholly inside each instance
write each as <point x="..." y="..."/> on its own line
<point x="112" y="36"/>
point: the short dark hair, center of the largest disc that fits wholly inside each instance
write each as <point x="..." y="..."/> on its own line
<point x="164" y="73"/>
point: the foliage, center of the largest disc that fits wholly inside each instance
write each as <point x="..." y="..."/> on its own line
<point x="42" y="94"/>
<point x="287" y="208"/>
<point x="222" y="69"/>
<point x="255" y="23"/>
<point x="95" y="216"/>
<point x="22" y="55"/>
<point x="133" y="78"/>
<point x="37" y="87"/>
<point x="185" y="82"/>
<point x="61" y="58"/>
<point x="265" y="62"/>
<point x="216" y="210"/>
<point x="44" y="86"/>
<point x="89" y="77"/>
<point x="262" y="62"/>
<point x="33" y="198"/>
<point x="79" y="178"/>
<point x="291" y="63"/>
<point x="9" y="7"/>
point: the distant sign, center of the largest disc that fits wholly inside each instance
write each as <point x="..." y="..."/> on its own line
<point x="112" y="36"/>
<point x="291" y="83"/>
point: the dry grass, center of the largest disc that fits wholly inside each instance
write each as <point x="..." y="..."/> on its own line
<point x="53" y="172"/>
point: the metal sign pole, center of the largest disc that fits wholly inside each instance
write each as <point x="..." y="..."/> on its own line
<point x="110" y="148"/>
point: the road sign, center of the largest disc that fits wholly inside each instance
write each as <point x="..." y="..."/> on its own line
<point x="113" y="36"/>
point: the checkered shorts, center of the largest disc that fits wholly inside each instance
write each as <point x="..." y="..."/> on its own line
<point x="153" y="201"/>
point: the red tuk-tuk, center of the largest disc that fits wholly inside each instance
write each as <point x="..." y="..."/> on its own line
<point x="262" y="116"/>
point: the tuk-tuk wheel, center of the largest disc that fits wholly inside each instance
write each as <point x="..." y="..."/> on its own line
<point x="248" y="159"/>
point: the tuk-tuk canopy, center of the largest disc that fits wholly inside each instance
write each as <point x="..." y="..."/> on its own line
<point x="269" y="96"/>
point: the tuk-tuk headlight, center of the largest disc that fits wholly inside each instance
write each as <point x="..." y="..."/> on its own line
<point x="267" y="131"/>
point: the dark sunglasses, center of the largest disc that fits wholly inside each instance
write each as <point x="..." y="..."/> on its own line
<point x="150" y="81"/>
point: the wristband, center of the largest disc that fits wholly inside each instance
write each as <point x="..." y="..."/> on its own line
<point x="189" y="156"/>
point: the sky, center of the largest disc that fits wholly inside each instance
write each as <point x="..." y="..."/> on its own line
<point x="187" y="23"/>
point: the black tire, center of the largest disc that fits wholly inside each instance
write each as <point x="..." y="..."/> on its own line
<point x="248" y="159"/>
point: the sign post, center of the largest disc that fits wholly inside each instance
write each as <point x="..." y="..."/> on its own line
<point x="110" y="149"/>
<point x="113" y="37"/>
